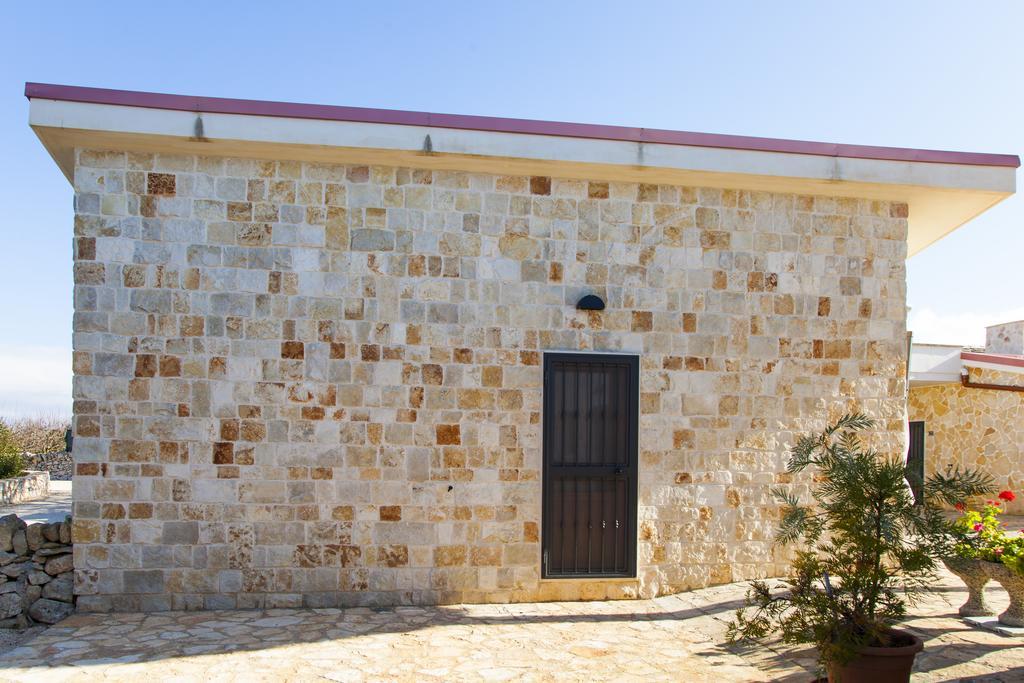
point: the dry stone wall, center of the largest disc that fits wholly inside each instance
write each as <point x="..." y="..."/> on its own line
<point x="315" y="384"/>
<point x="59" y="464"/>
<point x="36" y="572"/>
<point x="975" y="428"/>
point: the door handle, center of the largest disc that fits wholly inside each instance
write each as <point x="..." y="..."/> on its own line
<point x="620" y="470"/>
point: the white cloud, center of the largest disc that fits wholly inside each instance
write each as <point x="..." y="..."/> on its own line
<point x="35" y="381"/>
<point x="966" y="329"/>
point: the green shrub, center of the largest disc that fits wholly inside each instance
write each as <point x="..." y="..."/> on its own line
<point x="10" y="465"/>
<point x="10" y="455"/>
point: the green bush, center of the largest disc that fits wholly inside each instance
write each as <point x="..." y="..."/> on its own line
<point x="10" y="465"/>
<point x="10" y="455"/>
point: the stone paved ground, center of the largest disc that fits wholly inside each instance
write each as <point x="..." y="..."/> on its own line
<point x="672" y="638"/>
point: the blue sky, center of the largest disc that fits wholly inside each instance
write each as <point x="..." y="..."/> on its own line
<point x="943" y="75"/>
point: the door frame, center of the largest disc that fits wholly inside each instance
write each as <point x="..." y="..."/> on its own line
<point x="632" y="492"/>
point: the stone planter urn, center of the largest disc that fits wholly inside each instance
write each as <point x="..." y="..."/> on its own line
<point x="975" y="574"/>
<point x="1014" y="585"/>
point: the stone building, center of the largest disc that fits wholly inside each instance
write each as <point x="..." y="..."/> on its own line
<point x="327" y="355"/>
<point x="966" y="408"/>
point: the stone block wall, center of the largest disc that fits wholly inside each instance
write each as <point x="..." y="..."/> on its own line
<point x="313" y="384"/>
<point x="975" y="428"/>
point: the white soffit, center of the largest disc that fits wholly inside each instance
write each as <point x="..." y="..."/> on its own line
<point x="934" y="364"/>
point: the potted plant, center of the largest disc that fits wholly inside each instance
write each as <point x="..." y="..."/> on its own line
<point x="865" y="550"/>
<point x="986" y="551"/>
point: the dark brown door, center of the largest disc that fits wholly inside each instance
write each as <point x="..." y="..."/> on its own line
<point x="590" y="456"/>
<point x="915" y="461"/>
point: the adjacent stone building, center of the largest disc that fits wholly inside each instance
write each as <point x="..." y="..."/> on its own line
<point x="333" y="356"/>
<point x="967" y="407"/>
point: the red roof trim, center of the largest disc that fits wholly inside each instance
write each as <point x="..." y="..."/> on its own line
<point x="994" y="358"/>
<point x="220" y="105"/>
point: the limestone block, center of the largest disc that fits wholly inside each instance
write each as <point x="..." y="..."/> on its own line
<point x="9" y="524"/>
<point x="19" y="543"/>
<point x="48" y="611"/>
<point x="59" y="565"/>
<point x="34" y="536"/>
<point x="10" y="605"/>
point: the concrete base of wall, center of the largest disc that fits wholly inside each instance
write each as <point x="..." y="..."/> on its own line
<point x="33" y="486"/>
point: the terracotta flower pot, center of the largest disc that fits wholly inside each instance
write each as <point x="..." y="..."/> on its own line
<point x="974" y="574"/>
<point x="880" y="664"/>
<point x="1014" y="585"/>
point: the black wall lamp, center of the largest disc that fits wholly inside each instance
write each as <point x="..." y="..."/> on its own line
<point x="591" y="302"/>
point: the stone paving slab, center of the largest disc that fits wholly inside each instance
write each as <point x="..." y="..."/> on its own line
<point x="992" y="624"/>
<point x="535" y="642"/>
<point x="678" y="637"/>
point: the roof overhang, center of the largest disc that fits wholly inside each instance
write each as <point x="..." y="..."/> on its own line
<point x="943" y="189"/>
<point x="932" y="364"/>
<point x="993" y="361"/>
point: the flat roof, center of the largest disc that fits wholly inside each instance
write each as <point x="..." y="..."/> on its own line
<point x="932" y="364"/>
<point x="942" y="190"/>
<point x="222" y="105"/>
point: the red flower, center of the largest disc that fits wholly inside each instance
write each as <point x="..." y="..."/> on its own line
<point x="1007" y="496"/>
<point x="960" y="507"/>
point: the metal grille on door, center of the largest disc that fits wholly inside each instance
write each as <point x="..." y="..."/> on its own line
<point x="590" y="455"/>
